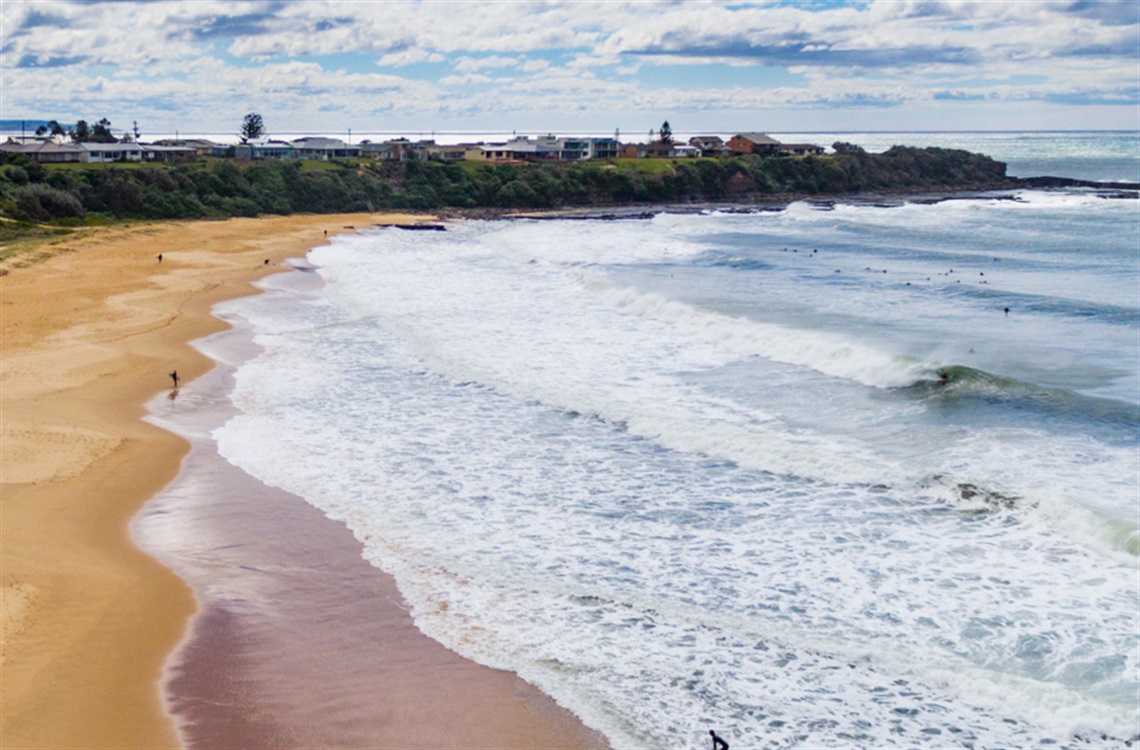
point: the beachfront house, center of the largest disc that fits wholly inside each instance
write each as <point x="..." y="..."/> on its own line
<point x="522" y="148"/>
<point x="604" y="148"/>
<point x="406" y="150"/>
<point x="103" y="153"/>
<point x="754" y="143"/>
<point x="168" y="154"/>
<point x="438" y="152"/>
<point x="265" y="149"/>
<point x="709" y="145"/>
<point x="201" y="146"/>
<point x="547" y="148"/>
<point x="801" y="149"/>
<point x="323" y="149"/>
<point x="44" y="150"/>
<point x="379" y="151"/>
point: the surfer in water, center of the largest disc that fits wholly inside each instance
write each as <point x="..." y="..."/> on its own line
<point x="718" y="743"/>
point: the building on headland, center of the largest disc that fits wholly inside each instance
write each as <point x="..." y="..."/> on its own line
<point x="102" y="153"/>
<point x="519" y="149"/>
<point x="604" y="148"/>
<point x="44" y="151"/>
<point x="765" y="145"/>
<point x="801" y="149"/>
<point x="168" y="154"/>
<point x="709" y="145"/>
<point x="754" y="143"/>
<point x="52" y="152"/>
<point x="547" y="148"/>
<point x="323" y="149"/>
<point x="265" y="149"/>
<point x="201" y="146"/>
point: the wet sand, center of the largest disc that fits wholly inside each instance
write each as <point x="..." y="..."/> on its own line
<point x="297" y="642"/>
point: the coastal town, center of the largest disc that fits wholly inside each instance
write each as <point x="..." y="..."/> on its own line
<point x="60" y="148"/>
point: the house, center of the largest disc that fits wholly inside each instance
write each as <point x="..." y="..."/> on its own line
<point x="495" y="152"/>
<point x="683" y="151"/>
<point x="201" y="146"/>
<point x="102" y="153"/>
<point x="660" y="150"/>
<point x="604" y="148"/>
<point x="754" y="143"/>
<point x="801" y="149"/>
<point x="168" y="154"/>
<point x="33" y="140"/>
<point x="437" y="152"/>
<point x="574" y="149"/>
<point x="44" y="151"/>
<point x="265" y="148"/>
<point x="709" y="145"/>
<point x="323" y="149"/>
<point x="404" y="150"/>
<point x="379" y="151"/>
<point x="546" y="148"/>
<point x="522" y="148"/>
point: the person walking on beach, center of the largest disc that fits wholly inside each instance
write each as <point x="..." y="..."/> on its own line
<point x="174" y="377"/>
<point x="718" y="743"/>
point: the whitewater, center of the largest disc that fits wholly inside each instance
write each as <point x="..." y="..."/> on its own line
<point x="830" y="475"/>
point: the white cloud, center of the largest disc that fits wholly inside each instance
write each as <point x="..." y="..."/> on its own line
<point x="465" y="80"/>
<point x="173" y="60"/>
<point x="470" y="64"/>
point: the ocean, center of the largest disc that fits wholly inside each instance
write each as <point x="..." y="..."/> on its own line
<point x="826" y="475"/>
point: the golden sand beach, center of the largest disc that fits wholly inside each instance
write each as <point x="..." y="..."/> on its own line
<point x="88" y="620"/>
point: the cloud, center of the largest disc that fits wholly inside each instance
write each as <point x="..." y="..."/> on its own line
<point x="31" y="61"/>
<point x="470" y="79"/>
<point x="201" y="59"/>
<point x="408" y="55"/>
<point x="800" y="54"/>
<point x="229" y="27"/>
<point x="1124" y="13"/>
<point x="469" y="64"/>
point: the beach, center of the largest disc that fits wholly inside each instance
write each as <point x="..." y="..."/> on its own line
<point x="89" y="621"/>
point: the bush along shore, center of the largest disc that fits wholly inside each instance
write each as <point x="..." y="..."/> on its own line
<point x="89" y="194"/>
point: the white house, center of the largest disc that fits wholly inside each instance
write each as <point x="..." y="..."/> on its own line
<point x="102" y="153"/>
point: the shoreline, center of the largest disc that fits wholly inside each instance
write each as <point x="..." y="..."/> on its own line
<point x="299" y="641"/>
<point x="89" y="335"/>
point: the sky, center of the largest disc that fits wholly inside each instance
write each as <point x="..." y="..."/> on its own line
<point x="334" y="66"/>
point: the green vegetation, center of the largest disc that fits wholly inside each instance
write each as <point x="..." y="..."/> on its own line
<point x="77" y="195"/>
<point x="252" y="127"/>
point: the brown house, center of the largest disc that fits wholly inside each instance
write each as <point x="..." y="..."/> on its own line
<point x="754" y="143"/>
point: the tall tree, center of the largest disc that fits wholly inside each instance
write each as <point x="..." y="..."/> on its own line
<point x="252" y="127"/>
<point x="51" y="128"/>
<point x="666" y="133"/>
<point x="81" y="132"/>
<point x="101" y="133"/>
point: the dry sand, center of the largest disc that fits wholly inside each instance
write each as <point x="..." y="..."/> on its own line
<point x="87" y="621"/>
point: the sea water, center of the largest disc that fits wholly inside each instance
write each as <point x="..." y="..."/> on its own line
<point x="1097" y="155"/>
<point x="825" y="476"/>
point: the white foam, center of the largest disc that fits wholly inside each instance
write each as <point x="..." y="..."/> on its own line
<point x="671" y="518"/>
